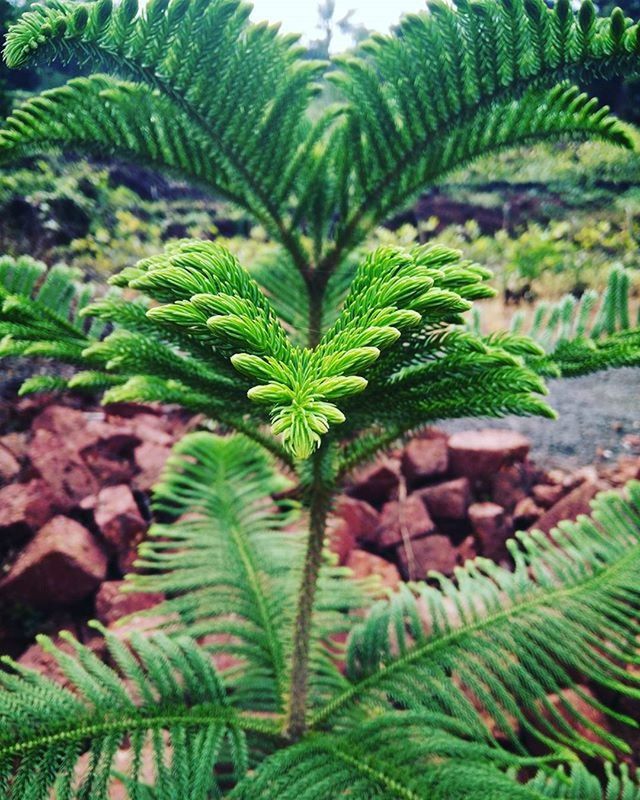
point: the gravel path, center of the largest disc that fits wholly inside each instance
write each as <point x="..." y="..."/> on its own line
<point x="596" y="412"/>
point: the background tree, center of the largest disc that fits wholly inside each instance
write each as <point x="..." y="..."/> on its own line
<point x="357" y="32"/>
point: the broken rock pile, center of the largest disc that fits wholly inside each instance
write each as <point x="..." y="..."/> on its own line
<point x="442" y="500"/>
<point x="75" y="482"/>
<point x="74" y="504"/>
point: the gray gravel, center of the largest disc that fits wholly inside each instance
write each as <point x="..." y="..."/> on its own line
<point x="596" y="412"/>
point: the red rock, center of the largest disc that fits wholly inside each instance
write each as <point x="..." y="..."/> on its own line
<point x="467" y="550"/>
<point x="61" y="565"/>
<point x="570" y="507"/>
<point x="73" y="428"/>
<point x="110" y="460"/>
<point x="556" y="476"/>
<point x="448" y="500"/>
<point x="399" y="521"/>
<point x="77" y="428"/>
<point x="341" y="538"/>
<point x="61" y="467"/>
<point x="150" y="459"/>
<point x="148" y="429"/>
<point x="626" y="469"/>
<point x="126" y="410"/>
<point x="112" y="603"/>
<point x="509" y="486"/>
<point x="30" y="504"/>
<point x="526" y="512"/>
<point x="546" y="495"/>
<point x="419" y="556"/>
<point x="117" y="515"/>
<point x="424" y="459"/>
<point x="151" y="421"/>
<point x="16" y="444"/>
<point x="588" y="474"/>
<point x="432" y="433"/>
<point x="377" y="483"/>
<point x="360" y="517"/>
<point x="365" y="565"/>
<point x="478" y="455"/>
<point x="631" y="442"/>
<point x="9" y="465"/>
<point x="491" y="528"/>
<point x="78" y="451"/>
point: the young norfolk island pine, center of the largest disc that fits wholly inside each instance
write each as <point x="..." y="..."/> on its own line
<point x="318" y="363"/>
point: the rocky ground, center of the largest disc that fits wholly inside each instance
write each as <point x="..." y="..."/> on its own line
<point x="74" y="504"/>
<point x="444" y="499"/>
<point x="75" y="484"/>
<point x="599" y="420"/>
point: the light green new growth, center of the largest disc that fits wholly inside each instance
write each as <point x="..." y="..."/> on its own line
<point x="319" y="363"/>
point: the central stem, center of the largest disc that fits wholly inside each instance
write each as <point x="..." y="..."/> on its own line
<point x="316" y="286"/>
<point x="315" y="320"/>
<point x="320" y="494"/>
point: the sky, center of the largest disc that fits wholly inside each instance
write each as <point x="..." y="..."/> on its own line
<point x="301" y="16"/>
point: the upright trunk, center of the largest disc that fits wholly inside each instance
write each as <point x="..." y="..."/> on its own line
<point x="320" y="496"/>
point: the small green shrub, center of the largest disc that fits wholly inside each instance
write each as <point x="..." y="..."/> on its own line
<point x="552" y="260"/>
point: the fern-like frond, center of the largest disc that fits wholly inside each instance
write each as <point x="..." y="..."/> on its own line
<point x="448" y="84"/>
<point x="398" y="756"/>
<point x="245" y="84"/>
<point x="446" y="371"/>
<point x="40" y="311"/>
<point x="107" y="116"/>
<point x="231" y="570"/>
<point x="508" y="639"/>
<point x="579" y="784"/>
<point x="51" y="300"/>
<point x="441" y="371"/>
<point x="392" y="331"/>
<point x="227" y="563"/>
<point x="162" y="698"/>
<point x="130" y="353"/>
<point x="446" y="87"/>
<point x="561" y="113"/>
<point x="48" y="314"/>
<point x="287" y="293"/>
<point x="452" y="374"/>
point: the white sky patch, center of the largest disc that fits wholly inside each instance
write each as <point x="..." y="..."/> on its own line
<point x="301" y="16"/>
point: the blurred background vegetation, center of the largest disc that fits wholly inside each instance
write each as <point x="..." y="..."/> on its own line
<point x="548" y="220"/>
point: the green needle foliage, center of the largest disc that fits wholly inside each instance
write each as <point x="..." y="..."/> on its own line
<point x="228" y="550"/>
<point x="164" y="694"/>
<point x="317" y="362"/>
<point x="395" y="716"/>
<point x="579" y="336"/>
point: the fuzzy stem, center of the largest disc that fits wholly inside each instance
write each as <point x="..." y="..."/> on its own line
<point x="315" y="319"/>
<point x="320" y="496"/>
